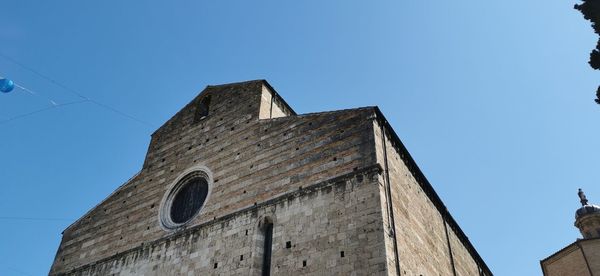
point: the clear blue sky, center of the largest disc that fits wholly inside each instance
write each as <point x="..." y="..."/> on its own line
<point x="494" y="99"/>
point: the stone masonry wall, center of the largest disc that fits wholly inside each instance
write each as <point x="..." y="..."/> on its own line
<point x="320" y="222"/>
<point x="570" y="262"/>
<point x="317" y="176"/>
<point x="591" y="248"/>
<point x="578" y="258"/>
<point x="270" y="106"/>
<point x="420" y="232"/>
<point x="463" y="261"/>
<point x="419" y="226"/>
<point x="251" y="160"/>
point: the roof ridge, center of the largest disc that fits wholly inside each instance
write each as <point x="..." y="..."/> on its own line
<point x="338" y="110"/>
<point x="237" y="83"/>
<point x="363" y="108"/>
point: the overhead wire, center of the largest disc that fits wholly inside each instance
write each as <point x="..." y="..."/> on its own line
<point x="15" y="270"/>
<point x="53" y="105"/>
<point x="31" y="92"/>
<point x="35" y="219"/>
<point x="52" y="102"/>
<point x="14" y="61"/>
<point x="70" y="90"/>
<point x="20" y="116"/>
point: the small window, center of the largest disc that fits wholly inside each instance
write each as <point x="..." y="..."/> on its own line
<point x="202" y="108"/>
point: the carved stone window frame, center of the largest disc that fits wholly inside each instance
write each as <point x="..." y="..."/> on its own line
<point x="164" y="214"/>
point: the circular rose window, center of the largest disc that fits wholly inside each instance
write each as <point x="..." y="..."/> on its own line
<point x="185" y="199"/>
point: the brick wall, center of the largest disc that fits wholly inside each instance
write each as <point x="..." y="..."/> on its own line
<point x="424" y="248"/>
<point x="317" y="176"/>
<point x="319" y="221"/>
<point x="580" y="258"/>
<point x="252" y="160"/>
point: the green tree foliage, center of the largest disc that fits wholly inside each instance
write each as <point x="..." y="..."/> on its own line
<point x="591" y="11"/>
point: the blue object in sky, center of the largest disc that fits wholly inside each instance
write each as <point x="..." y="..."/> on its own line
<point x="6" y="85"/>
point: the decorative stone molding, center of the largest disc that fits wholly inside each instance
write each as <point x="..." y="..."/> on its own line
<point x="165" y="214"/>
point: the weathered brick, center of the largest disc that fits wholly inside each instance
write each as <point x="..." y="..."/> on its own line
<point x="319" y="177"/>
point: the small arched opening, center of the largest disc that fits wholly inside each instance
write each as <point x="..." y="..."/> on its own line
<point x="202" y="108"/>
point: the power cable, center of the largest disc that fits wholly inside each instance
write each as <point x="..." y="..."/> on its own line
<point x="40" y="110"/>
<point x="52" y="102"/>
<point x="72" y="91"/>
<point x="35" y="219"/>
<point x="15" y="270"/>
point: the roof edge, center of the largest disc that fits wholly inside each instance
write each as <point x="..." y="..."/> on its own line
<point x="293" y="117"/>
<point x="208" y="87"/>
<point x="263" y="82"/>
<point x="566" y="247"/>
<point x="428" y="188"/>
<point x="104" y="200"/>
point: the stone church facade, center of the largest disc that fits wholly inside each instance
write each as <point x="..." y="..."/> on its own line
<point x="237" y="183"/>
<point x="582" y="257"/>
